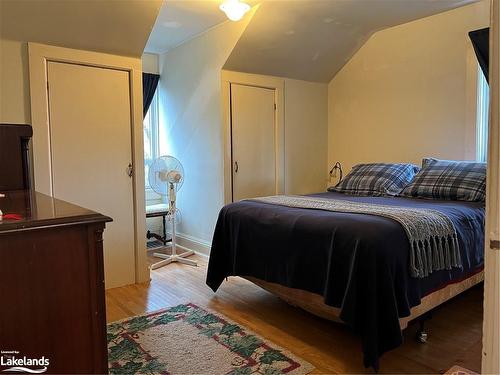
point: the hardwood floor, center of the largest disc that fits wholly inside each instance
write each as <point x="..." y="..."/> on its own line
<point x="454" y="331"/>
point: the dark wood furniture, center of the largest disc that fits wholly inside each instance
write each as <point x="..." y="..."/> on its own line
<point x="51" y="271"/>
<point x="52" y="283"/>
<point x="158" y="210"/>
<point x="14" y="157"/>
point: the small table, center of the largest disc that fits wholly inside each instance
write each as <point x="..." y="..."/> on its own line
<point x="158" y="210"/>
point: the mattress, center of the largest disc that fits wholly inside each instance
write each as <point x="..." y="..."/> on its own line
<point x="357" y="263"/>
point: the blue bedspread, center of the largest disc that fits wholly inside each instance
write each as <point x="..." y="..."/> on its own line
<point x="357" y="262"/>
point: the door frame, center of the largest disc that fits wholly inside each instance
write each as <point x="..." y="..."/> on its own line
<point x="39" y="55"/>
<point x="490" y="363"/>
<point x="255" y="80"/>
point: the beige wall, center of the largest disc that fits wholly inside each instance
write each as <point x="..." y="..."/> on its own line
<point x="303" y="115"/>
<point x="408" y="92"/>
<point x="190" y="124"/>
<point x="14" y="82"/>
<point x="191" y="127"/>
<point x="64" y="24"/>
<point x="306" y="127"/>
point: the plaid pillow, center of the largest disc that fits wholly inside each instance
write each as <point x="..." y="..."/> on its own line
<point x="376" y="179"/>
<point x="449" y="180"/>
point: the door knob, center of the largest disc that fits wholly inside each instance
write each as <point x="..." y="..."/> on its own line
<point x="236" y="167"/>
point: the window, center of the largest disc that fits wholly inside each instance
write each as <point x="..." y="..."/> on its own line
<point x="151" y="146"/>
<point x="483" y="99"/>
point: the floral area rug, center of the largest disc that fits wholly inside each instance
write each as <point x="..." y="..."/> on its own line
<point x="186" y="339"/>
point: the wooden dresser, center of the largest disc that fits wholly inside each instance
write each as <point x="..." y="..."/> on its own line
<point x="51" y="272"/>
<point x="52" y="283"/>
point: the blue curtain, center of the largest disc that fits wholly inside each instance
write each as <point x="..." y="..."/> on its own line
<point x="481" y="43"/>
<point x="149" y="84"/>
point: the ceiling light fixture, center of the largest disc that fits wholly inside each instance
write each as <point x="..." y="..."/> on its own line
<point x="234" y="9"/>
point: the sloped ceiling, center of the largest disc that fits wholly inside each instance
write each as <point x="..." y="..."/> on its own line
<point x="182" y="20"/>
<point x="311" y="40"/>
<point x="114" y="26"/>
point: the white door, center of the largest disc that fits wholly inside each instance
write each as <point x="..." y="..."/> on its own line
<point x="91" y="147"/>
<point x="253" y="141"/>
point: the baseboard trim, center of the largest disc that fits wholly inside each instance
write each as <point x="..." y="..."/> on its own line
<point x="187" y="242"/>
<point x="203" y="255"/>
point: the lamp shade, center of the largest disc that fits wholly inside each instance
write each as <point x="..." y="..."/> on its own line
<point x="234" y="9"/>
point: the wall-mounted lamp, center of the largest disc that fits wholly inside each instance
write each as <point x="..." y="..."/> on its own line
<point x="333" y="171"/>
<point x="234" y="9"/>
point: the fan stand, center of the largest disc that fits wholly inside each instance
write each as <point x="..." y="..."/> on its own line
<point x="181" y="258"/>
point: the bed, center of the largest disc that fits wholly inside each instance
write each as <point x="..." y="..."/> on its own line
<point x="350" y="267"/>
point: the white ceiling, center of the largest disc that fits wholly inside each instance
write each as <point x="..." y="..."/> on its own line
<point x="119" y="26"/>
<point x="181" y="20"/>
<point x="313" y="39"/>
<point x="302" y="39"/>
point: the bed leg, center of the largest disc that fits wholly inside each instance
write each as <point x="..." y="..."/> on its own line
<point x="421" y="335"/>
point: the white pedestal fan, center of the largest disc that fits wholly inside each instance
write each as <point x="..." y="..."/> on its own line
<point x="166" y="176"/>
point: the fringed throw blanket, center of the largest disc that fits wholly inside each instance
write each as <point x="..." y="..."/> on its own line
<point x="431" y="234"/>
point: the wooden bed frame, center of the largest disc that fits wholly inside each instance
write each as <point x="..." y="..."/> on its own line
<point x="314" y="304"/>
